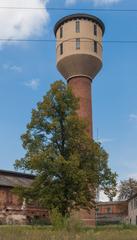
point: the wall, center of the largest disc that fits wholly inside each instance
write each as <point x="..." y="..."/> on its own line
<point x="7" y="198"/>
<point x="13" y="210"/>
<point x="132" y="211"/>
<point x="112" y="212"/>
<point x="83" y="61"/>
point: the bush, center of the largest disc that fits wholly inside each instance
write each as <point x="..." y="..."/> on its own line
<point x="41" y="222"/>
<point x="57" y="220"/>
<point x="70" y="224"/>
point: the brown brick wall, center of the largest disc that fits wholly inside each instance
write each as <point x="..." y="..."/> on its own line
<point x="7" y="198"/>
<point x="88" y="217"/>
<point x="81" y="87"/>
<point x="113" y="208"/>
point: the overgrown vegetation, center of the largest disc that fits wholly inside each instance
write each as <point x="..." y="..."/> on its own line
<point x="120" y="232"/>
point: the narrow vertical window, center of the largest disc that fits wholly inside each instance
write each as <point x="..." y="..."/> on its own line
<point x="61" y="32"/>
<point x="95" y="46"/>
<point x="95" y="29"/>
<point x="61" y="48"/>
<point x="77" y="43"/>
<point x="77" y="26"/>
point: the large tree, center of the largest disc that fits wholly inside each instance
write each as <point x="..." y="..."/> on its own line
<point x="127" y="188"/>
<point x="68" y="164"/>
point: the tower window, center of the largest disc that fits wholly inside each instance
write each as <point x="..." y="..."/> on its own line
<point x="77" y="26"/>
<point x="77" y="43"/>
<point x="95" y="29"/>
<point x="61" y="32"/>
<point x="61" y="48"/>
<point x="95" y="46"/>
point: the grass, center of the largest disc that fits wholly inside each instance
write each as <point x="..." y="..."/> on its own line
<point x="120" y="232"/>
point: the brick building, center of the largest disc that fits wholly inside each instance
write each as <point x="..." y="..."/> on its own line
<point x="112" y="212"/>
<point x="12" y="208"/>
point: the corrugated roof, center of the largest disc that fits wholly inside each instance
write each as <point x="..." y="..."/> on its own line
<point x="13" y="179"/>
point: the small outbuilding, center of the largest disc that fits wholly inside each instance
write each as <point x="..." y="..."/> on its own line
<point x="14" y="210"/>
<point x="111" y="212"/>
<point x="132" y="210"/>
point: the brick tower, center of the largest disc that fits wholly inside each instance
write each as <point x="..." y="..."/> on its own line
<point x="79" y="57"/>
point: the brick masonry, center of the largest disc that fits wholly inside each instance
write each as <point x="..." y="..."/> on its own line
<point x="81" y="87"/>
<point x="14" y="211"/>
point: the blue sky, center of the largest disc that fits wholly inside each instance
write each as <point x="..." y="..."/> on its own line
<point x="27" y="70"/>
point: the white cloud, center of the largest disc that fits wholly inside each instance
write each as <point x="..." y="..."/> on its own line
<point x="101" y="2"/>
<point x="70" y="2"/>
<point x="96" y="2"/>
<point x="22" y="24"/>
<point x="103" y="197"/>
<point x="132" y="175"/>
<point x="14" y="68"/>
<point x="105" y="140"/>
<point x="33" y="84"/>
<point x="133" y="117"/>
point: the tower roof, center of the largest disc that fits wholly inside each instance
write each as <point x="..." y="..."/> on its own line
<point x="79" y="16"/>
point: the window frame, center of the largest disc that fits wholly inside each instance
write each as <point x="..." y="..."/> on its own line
<point x="61" y="49"/>
<point x="77" y="43"/>
<point x="95" y="46"/>
<point x="77" y="26"/>
<point x="95" y="29"/>
<point x="61" y="32"/>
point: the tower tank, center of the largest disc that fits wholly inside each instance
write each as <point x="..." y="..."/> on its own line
<point x="79" y="57"/>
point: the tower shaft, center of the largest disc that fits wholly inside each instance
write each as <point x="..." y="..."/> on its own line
<point x="81" y="87"/>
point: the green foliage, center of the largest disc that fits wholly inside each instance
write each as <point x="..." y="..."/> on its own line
<point x="68" y="164"/>
<point x="70" y="224"/>
<point x="57" y="220"/>
<point x="127" y="188"/>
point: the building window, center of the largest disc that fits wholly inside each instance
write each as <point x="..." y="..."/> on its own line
<point x="61" y="48"/>
<point x="61" y="32"/>
<point x="97" y="210"/>
<point x="95" y="29"/>
<point x="131" y="204"/>
<point x="77" y="43"/>
<point x="95" y="46"/>
<point x="135" y="202"/>
<point x="77" y="26"/>
<point x="109" y="210"/>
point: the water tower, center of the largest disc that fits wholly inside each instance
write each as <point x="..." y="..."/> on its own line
<point x="79" y="57"/>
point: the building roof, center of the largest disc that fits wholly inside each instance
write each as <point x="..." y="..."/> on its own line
<point x="79" y="16"/>
<point x="111" y="203"/>
<point x="13" y="179"/>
